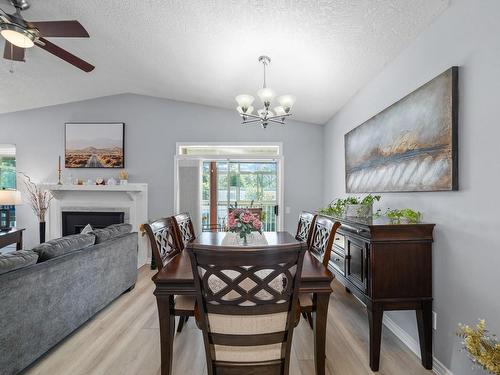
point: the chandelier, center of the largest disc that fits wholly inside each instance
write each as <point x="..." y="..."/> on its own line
<point x="265" y="115"/>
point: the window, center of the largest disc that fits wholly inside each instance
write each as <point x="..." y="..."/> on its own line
<point x="8" y="176"/>
<point x="241" y="184"/>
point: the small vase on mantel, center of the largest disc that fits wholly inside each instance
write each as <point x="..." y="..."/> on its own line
<point x="42" y="231"/>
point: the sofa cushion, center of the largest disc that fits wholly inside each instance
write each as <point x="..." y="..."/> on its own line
<point x="108" y="233"/>
<point x="63" y="245"/>
<point x="17" y="259"/>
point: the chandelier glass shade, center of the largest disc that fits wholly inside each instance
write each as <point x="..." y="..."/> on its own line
<point x="267" y="96"/>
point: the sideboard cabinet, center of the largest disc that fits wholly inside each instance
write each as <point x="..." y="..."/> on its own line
<point x="387" y="266"/>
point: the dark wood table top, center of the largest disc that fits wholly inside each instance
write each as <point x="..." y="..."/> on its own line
<point x="11" y="231"/>
<point x="178" y="270"/>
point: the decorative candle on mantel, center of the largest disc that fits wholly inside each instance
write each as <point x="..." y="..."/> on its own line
<point x="59" y="182"/>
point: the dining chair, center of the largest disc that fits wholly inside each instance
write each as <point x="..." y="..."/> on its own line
<point x="321" y="242"/>
<point x="165" y="244"/>
<point x="185" y="228"/>
<point x="247" y="307"/>
<point x="305" y="227"/>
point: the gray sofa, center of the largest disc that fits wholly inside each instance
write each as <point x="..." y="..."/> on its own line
<point x="74" y="278"/>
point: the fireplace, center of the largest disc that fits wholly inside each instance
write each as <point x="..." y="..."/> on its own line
<point x="129" y="202"/>
<point x="74" y="221"/>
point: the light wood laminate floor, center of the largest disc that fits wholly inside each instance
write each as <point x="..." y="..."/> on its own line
<point x="123" y="339"/>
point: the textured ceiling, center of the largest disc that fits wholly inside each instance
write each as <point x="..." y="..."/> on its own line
<point x="205" y="51"/>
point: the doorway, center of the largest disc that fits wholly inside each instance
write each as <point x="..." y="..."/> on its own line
<point x="229" y="175"/>
<point x="239" y="184"/>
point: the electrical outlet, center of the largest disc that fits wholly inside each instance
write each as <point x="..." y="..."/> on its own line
<point x="434" y="320"/>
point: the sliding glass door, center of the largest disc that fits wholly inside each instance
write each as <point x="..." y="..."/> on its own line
<point x="230" y="183"/>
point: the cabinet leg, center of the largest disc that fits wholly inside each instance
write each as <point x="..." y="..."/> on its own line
<point x="375" y="314"/>
<point x="424" y="323"/>
<point x="348" y="290"/>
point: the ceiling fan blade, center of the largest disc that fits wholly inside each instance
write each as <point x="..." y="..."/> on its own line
<point x="65" y="55"/>
<point x="12" y="52"/>
<point x="61" y="29"/>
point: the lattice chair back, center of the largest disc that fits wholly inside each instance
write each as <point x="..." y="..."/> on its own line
<point x="162" y="235"/>
<point x="185" y="229"/>
<point x="305" y="227"/>
<point x="247" y="306"/>
<point x="322" y="238"/>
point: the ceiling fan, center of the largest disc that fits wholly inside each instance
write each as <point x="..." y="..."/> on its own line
<point x="20" y="34"/>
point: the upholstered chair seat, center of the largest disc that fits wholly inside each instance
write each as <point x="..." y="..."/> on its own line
<point x="247" y="307"/>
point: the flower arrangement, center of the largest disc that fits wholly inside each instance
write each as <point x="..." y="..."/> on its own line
<point x="243" y="222"/>
<point x="482" y="348"/>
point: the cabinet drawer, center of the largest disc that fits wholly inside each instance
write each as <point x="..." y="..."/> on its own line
<point x="338" y="262"/>
<point x="339" y="240"/>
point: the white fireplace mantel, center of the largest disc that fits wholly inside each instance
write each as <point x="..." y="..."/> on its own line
<point x="132" y="199"/>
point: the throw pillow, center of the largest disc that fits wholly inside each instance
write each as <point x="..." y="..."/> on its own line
<point x="88" y="229"/>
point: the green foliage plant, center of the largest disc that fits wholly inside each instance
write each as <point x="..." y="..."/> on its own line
<point x="406" y="214"/>
<point x="337" y="206"/>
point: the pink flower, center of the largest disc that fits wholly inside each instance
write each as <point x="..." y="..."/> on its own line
<point x="257" y="224"/>
<point x="246" y="217"/>
<point x="231" y="222"/>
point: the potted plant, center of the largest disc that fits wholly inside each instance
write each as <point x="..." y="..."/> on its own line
<point x="243" y="223"/>
<point x="39" y="200"/>
<point x="351" y="207"/>
<point x="404" y="216"/>
<point x="356" y="207"/>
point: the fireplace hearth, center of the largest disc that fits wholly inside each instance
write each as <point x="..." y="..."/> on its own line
<point x="74" y="221"/>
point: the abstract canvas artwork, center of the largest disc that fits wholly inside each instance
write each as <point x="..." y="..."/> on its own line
<point x="409" y="146"/>
<point x="94" y="145"/>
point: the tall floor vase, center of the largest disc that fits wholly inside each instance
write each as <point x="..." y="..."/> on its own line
<point x="42" y="231"/>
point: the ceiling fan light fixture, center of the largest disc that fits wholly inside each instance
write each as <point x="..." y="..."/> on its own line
<point x="17" y="35"/>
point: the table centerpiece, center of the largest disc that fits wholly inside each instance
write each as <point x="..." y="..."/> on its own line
<point x="243" y="223"/>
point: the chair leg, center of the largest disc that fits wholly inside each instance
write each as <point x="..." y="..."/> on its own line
<point x="182" y="320"/>
<point x="310" y="320"/>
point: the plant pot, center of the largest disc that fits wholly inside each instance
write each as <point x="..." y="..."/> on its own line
<point x="359" y="210"/>
<point x="42" y="231"/>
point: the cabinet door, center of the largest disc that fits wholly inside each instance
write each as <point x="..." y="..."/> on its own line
<point x="357" y="261"/>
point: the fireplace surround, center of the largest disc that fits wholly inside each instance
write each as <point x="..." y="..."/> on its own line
<point x="98" y="206"/>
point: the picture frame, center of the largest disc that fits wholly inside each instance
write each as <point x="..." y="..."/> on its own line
<point x="413" y="143"/>
<point x="94" y="145"/>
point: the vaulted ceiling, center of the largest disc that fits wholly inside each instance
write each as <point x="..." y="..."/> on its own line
<point x="205" y="51"/>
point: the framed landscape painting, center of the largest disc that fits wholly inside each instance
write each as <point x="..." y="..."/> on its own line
<point x="94" y="145"/>
<point x="411" y="145"/>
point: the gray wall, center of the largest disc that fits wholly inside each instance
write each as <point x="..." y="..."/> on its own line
<point x="466" y="250"/>
<point x="153" y="126"/>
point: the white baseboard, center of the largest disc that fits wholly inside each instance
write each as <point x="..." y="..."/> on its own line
<point x="437" y="367"/>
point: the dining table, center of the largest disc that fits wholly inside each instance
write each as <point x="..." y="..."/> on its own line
<point x="176" y="278"/>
